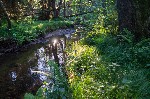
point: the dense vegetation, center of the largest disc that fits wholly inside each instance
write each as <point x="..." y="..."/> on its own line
<point x="107" y="64"/>
<point x="24" y="20"/>
<point x="111" y="61"/>
<point x="110" y="69"/>
<point x="28" y="30"/>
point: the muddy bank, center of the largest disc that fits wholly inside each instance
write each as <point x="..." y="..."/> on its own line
<point x="10" y="46"/>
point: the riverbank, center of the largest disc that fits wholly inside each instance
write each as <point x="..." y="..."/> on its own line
<point x="27" y="33"/>
<point x="29" y="68"/>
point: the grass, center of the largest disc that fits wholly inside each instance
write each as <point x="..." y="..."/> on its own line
<point x="105" y="66"/>
<point x="92" y="78"/>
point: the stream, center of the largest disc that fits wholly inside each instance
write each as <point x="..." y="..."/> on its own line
<point x="26" y="70"/>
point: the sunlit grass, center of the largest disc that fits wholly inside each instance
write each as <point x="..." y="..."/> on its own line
<point x="126" y="64"/>
<point x="92" y="78"/>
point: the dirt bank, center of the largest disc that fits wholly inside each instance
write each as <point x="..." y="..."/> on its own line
<point x="10" y="46"/>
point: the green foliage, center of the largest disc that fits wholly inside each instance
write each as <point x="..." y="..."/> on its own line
<point x="121" y="66"/>
<point x="107" y="20"/>
<point x="28" y="29"/>
<point x="132" y="58"/>
<point x="90" y="11"/>
<point x="29" y="96"/>
<point x="109" y="66"/>
<point x="90" y="77"/>
<point x="57" y="88"/>
<point x="60" y="89"/>
<point x="39" y="95"/>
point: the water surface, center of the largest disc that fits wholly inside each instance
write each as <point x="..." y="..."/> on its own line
<point x="25" y="71"/>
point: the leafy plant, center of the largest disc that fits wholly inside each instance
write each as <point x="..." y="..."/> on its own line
<point x="57" y="88"/>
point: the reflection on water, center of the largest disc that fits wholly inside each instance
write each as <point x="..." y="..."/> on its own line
<point x="13" y="75"/>
<point x="25" y="71"/>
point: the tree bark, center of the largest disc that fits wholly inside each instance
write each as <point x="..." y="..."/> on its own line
<point x="143" y="17"/>
<point x="134" y="15"/>
<point x="126" y="15"/>
<point x="5" y="14"/>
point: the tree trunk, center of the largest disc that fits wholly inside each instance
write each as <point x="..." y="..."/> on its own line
<point x="143" y="17"/>
<point x="104" y="6"/>
<point x="49" y="8"/>
<point x="5" y="14"/>
<point x="134" y="16"/>
<point x="64" y="8"/>
<point x="54" y="9"/>
<point x="126" y="15"/>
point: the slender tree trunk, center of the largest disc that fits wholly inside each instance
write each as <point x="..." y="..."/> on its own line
<point x="80" y="6"/>
<point x="104" y="6"/>
<point x="60" y="4"/>
<point x="5" y="14"/>
<point x="49" y="8"/>
<point x="59" y="8"/>
<point x="0" y="21"/>
<point x="64" y="8"/>
<point x="54" y="9"/>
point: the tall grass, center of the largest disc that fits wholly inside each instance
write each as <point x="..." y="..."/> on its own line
<point x="131" y="61"/>
<point x="90" y="77"/>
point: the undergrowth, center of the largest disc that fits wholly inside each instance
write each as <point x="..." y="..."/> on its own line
<point x="107" y="64"/>
<point x="92" y="78"/>
<point x="55" y="88"/>
<point x="27" y="30"/>
<point x="131" y="59"/>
